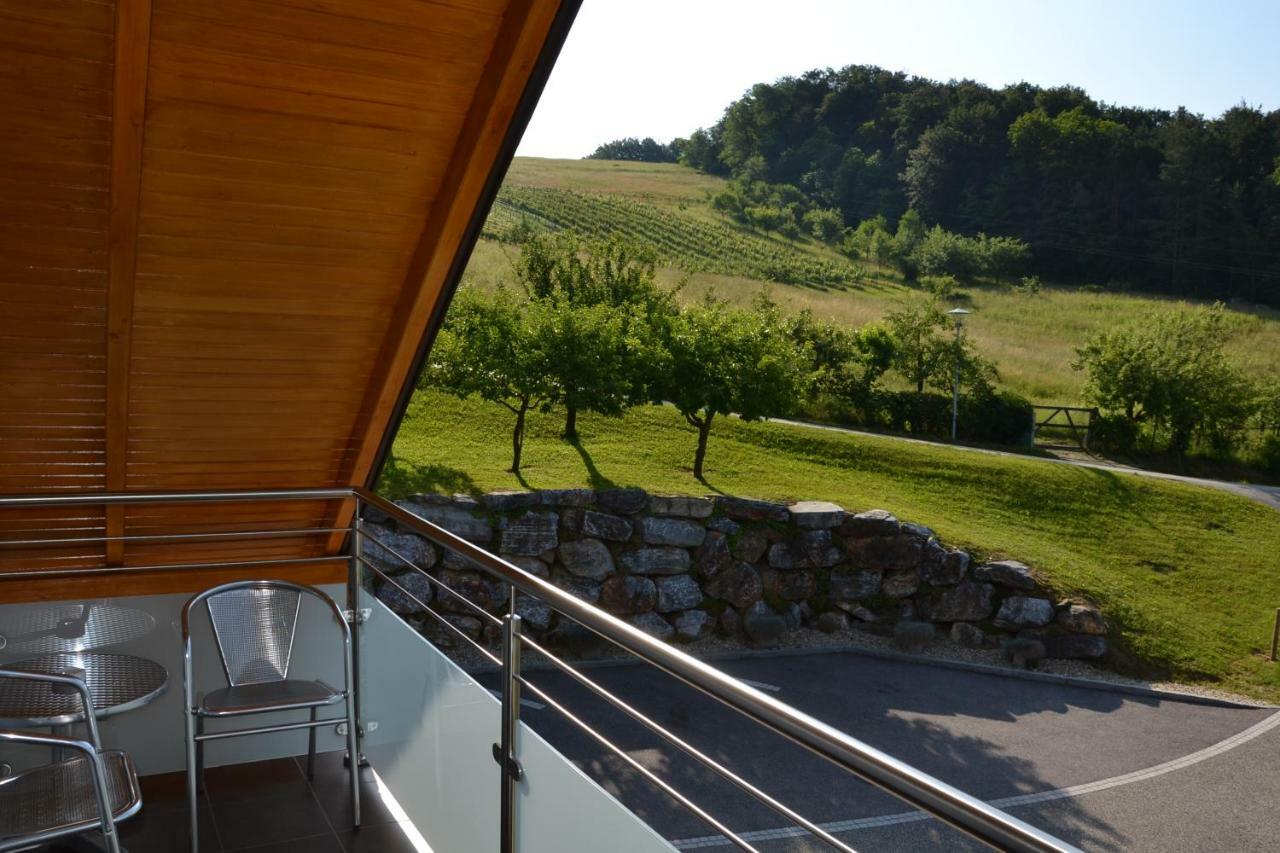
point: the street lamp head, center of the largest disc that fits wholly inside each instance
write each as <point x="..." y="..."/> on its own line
<point x="958" y="314"/>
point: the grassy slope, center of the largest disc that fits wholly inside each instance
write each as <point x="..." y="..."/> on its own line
<point x="1188" y="575"/>
<point x="1031" y="338"/>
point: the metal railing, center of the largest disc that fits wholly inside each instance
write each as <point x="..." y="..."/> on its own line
<point x="948" y="804"/>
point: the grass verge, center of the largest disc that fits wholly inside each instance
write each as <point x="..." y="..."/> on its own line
<point x="1188" y="576"/>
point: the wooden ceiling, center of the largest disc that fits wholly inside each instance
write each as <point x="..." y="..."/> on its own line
<point x="224" y="229"/>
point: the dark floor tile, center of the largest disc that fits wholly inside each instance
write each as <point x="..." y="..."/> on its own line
<point x="313" y="844"/>
<point x="165" y="831"/>
<point x="268" y="820"/>
<point x="256" y="780"/>
<point x="335" y="799"/>
<point x="164" y="792"/>
<point x="388" y="838"/>
<point x="332" y="766"/>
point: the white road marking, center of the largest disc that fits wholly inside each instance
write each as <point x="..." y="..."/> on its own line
<point x="760" y="685"/>
<point x="1254" y="731"/>
<point x="537" y="706"/>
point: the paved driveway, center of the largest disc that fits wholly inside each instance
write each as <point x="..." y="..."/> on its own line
<point x="1104" y="770"/>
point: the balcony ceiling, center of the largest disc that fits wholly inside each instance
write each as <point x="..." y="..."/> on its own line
<point x="224" y="229"/>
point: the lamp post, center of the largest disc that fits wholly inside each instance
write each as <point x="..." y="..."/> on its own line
<point x="957" y="314"/>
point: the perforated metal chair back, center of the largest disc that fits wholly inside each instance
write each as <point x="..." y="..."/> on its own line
<point x="254" y="628"/>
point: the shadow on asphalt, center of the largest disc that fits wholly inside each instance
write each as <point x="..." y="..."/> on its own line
<point x="875" y="710"/>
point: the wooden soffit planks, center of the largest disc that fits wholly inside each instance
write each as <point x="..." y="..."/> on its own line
<point x="226" y="228"/>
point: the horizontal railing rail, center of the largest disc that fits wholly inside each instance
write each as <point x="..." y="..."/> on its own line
<point x="948" y="804"/>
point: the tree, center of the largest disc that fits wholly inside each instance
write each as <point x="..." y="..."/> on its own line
<point x="919" y="348"/>
<point x="493" y="346"/>
<point x="724" y="360"/>
<point x="926" y="353"/>
<point x="602" y="306"/>
<point x="647" y="150"/>
<point x="1171" y="374"/>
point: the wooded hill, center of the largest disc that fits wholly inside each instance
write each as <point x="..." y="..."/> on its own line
<point x="1121" y="197"/>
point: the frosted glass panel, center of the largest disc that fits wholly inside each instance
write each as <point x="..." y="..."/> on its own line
<point x="433" y="750"/>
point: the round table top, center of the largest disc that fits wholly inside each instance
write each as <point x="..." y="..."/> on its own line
<point x="117" y="683"/>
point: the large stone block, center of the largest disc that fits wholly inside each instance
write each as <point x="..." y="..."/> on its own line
<point x="1008" y="573"/>
<point x="587" y="558"/>
<point x="1081" y="619"/>
<point x="965" y="602"/>
<point x="534" y="612"/>
<point x="885" y="553"/>
<point x="661" y="560"/>
<point x="968" y="635"/>
<point x="745" y="509"/>
<point x="900" y="583"/>
<point x="790" y="586"/>
<point x="627" y="594"/>
<point x="749" y="545"/>
<point x="473" y="587"/>
<point x="820" y="548"/>
<point x="399" y="593"/>
<point x="566" y="497"/>
<point x="945" y="568"/>
<point x="692" y="625"/>
<point x="788" y="555"/>
<point x="680" y="506"/>
<point x="622" y="501"/>
<point x="740" y="585"/>
<point x="1020" y="611"/>
<point x="459" y="522"/>
<point x="532" y="565"/>
<point x="762" y="626"/>
<point x="864" y="525"/>
<point x="855" y="585"/>
<point x="653" y="624"/>
<point x="816" y="515"/>
<point x="587" y="590"/>
<point x="531" y="534"/>
<point x="677" y="592"/>
<point x="408" y="546"/>
<point x="713" y="556"/>
<point x="510" y="501"/>
<point x="606" y="526"/>
<point x="671" y="531"/>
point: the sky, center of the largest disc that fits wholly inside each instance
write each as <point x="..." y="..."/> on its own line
<point x="663" y="68"/>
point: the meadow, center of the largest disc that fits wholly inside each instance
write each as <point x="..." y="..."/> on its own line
<point x="1030" y="336"/>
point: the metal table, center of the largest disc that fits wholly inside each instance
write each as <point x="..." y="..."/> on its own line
<point x="117" y="683"/>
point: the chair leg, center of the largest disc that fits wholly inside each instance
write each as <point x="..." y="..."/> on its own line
<point x="311" y="748"/>
<point x="199" y="756"/>
<point x="192" y="771"/>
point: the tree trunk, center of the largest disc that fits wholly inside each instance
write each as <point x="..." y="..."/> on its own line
<point x="571" y="423"/>
<point x="517" y="439"/>
<point x="704" y="430"/>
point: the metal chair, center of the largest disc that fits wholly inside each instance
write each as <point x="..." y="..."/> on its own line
<point x="93" y="790"/>
<point x="254" y="624"/>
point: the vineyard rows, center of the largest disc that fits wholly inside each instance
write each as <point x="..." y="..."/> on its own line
<point x="680" y="240"/>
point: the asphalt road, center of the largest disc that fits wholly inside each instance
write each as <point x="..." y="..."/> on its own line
<point x="1266" y="495"/>
<point x="1101" y="769"/>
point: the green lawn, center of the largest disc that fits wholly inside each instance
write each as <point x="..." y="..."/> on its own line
<point x="1188" y="576"/>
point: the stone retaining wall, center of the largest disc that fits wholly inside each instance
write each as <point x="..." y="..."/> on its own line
<point x="680" y="567"/>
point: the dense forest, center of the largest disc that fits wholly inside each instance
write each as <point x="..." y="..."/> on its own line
<point x="1119" y="197"/>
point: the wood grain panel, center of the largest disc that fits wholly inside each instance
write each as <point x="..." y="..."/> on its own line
<point x="222" y="228"/>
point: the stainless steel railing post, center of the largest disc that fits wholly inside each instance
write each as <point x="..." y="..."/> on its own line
<point x="504" y="752"/>
<point x="353" y="608"/>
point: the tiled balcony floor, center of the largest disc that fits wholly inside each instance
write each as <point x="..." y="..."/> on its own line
<point x="265" y="807"/>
